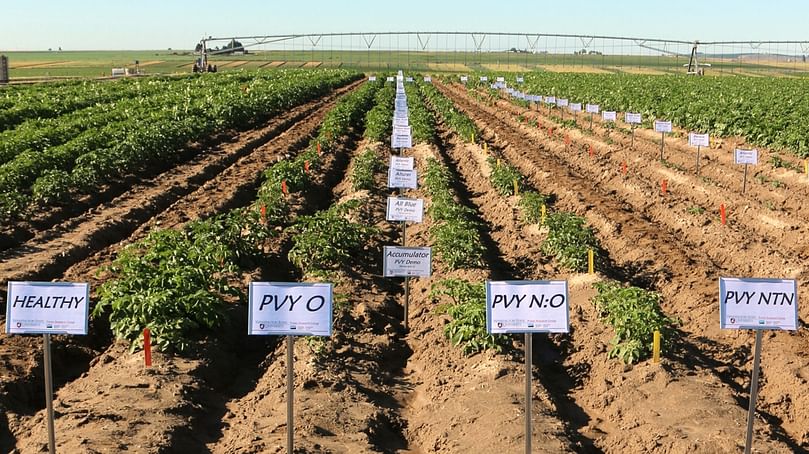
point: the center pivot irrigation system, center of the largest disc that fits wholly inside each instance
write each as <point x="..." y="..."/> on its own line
<point x="461" y="51"/>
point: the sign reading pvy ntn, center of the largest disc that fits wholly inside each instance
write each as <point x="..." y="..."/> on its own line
<point x="290" y="308"/>
<point x="527" y="307"/>
<point x="47" y="308"/>
<point x="402" y="261"/>
<point x="747" y="303"/>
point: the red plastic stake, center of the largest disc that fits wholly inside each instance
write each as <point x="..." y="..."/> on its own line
<point x="263" y="213"/>
<point x="550" y="131"/>
<point x="306" y="166"/>
<point x="147" y="347"/>
<point x="664" y="186"/>
<point x="284" y="187"/>
<point x="623" y="167"/>
<point x="590" y="150"/>
<point x="567" y="140"/>
<point x="723" y="214"/>
<point x="318" y="149"/>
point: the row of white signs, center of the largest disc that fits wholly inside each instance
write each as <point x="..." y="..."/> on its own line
<point x="286" y="308"/>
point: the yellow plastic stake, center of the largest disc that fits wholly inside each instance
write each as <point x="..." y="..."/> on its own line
<point x="656" y="348"/>
<point x="590" y="262"/>
<point x="516" y="188"/>
<point x="473" y="137"/>
<point x="806" y="167"/>
<point x="544" y="211"/>
<point x="486" y="147"/>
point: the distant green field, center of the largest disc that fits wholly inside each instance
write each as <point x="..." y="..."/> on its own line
<point x="57" y="64"/>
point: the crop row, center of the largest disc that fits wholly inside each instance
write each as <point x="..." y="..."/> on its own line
<point x="772" y="112"/>
<point x="98" y="156"/>
<point x="177" y="282"/>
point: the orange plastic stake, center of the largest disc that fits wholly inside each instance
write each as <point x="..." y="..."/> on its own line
<point x="263" y="213"/>
<point x="664" y="186"/>
<point x="550" y="131"/>
<point x="318" y="149"/>
<point x="723" y="214"/>
<point x="590" y="150"/>
<point x="147" y="347"/>
<point x="623" y="167"/>
<point x="567" y="140"/>
<point x="306" y="166"/>
<point x="284" y="187"/>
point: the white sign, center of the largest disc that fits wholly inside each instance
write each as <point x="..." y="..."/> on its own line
<point x="402" y="178"/>
<point x="400" y="121"/>
<point x="609" y="115"/>
<point x="464" y="78"/>
<point x="758" y="303"/>
<point x="561" y="102"/>
<point x="408" y="79"/>
<point x="47" y="308"/>
<point x="406" y="261"/>
<point x="633" y="118"/>
<point x="662" y="126"/>
<point x="428" y="79"/>
<point x="592" y="108"/>
<point x="699" y="140"/>
<point x="520" y="80"/>
<point x="746" y="156"/>
<point x="372" y="78"/>
<point x="401" y="162"/>
<point x="390" y="79"/>
<point x="288" y="308"/>
<point x="401" y="138"/>
<point x="550" y="99"/>
<point x="404" y="209"/>
<point x="500" y="79"/>
<point x="576" y="107"/>
<point x="527" y="307"/>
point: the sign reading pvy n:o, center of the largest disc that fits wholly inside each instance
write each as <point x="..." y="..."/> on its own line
<point x="47" y="308"/>
<point x="290" y="308"/>
<point x="527" y="307"/>
<point x="746" y="303"/>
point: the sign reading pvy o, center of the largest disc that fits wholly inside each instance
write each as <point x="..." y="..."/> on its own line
<point x="758" y="303"/>
<point x="290" y="308"/>
<point x="47" y="308"/>
<point x="527" y="307"/>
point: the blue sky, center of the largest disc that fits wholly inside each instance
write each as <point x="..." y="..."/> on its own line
<point x="154" y="24"/>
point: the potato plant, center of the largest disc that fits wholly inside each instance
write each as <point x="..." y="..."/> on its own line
<point x="467" y="310"/>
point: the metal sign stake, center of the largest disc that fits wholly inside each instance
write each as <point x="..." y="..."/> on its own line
<point x="46" y="344"/>
<point x="698" y="160"/>
<point x="744" y="181"/>
<point x="290" y="393"/>
<point x="528" y="403"/>
<point x="751" y="412"/>
<point x="662" y="143"/>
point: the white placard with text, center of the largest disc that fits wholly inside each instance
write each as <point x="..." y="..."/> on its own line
<point x="400" y="261"/>
<point x="404" y="209"/>
<point x="47" y="308"/>
<point x="662" y="126"/>
<point x="745" y="156"/>
<point x="290" y="308"/>
<point x="746" y="303"/>
<point x="527" y="307"/>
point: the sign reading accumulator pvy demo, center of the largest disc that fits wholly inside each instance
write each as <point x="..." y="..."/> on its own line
<point x="527" y="307"/>
<point x="47" y="308"/>
<point x="287" y="308"/>
<point x="758" y="303"/>
<point x="402" y="261"/>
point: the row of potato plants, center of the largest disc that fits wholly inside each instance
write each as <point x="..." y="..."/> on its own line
<point x="632" y="312"/>
<point x="177" y="282"/>
<point x="202" y="107"/>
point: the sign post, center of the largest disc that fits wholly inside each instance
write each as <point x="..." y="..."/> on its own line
<point x="527" y="307"/>
<point x="662" y="127"/>
<point x="47" y="308"/>
<point x="290" y="309"/>
<point x="699" y="141"/>
<point x="757" y="304"/>
<point x="592" y="109"/>
<point x="745" y="157"/>
<point x="633" y="119"/>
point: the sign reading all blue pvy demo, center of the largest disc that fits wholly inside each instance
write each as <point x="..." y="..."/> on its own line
<point x="287" y="308"/>
<point x="47" y="308"/>
<point x="746" y="303"/>
<point x="527" y="307"/>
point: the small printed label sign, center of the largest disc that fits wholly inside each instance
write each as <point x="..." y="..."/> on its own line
<point x="47" y="308"/>
<point x="404" y="209"/>
<point x="520" y="79"/>
<point x="592" y="108"/>
<point x="575" y="107"/>
<point x="372" y="78"/>
<point x="389" y="79"/>
<point x="500" y="79"/>
<point x="561" y="102"/>
<point x="550" y="99"/>
<point x="747" y="303"/>
<point x="527" y="307"/>
<point x="402" y="163"/>
<point x="662" y="126"/>
<point x="289" y="308"/>
<point x="609" y="115"/>
<point x="408" y="79"/>
<point x="746" y="156"/>
<point x="428" y="79"/>
<point x="464" y="78"/>
<point x="403" y="179"/>
<point x="632" y="118"/>
<point x="401" y="121"/>
<point x="699" y="140"/>
<point x="401" y="138"/>
<point x="402" y="261"/>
